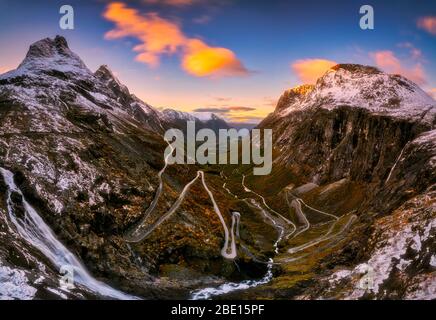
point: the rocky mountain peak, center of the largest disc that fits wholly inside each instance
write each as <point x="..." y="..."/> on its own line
<point x="215" y="117"/>
<point x="108" y="78"/>
<point x="293" y="95"/>
<point x="77" y="150"/>
<point x="171" y="115"/>
<point x="105" y="73"/>
<point x="48" y="56"/>
<point x="47" y="47"/>
<point x="356" y="68"/>
<point x="364" y="87"/>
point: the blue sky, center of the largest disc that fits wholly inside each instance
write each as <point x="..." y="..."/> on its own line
<point x="261" y="48"/>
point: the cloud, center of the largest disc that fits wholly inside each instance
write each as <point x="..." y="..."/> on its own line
<point x="225" y="109"/>
<point x="223" y="99"/>
<point x="202" y="19"/>
<point x="214" y="110"/>
<point x="414" y="52"/>
<point x="201" y="60"/>
<point x="387" y="61"/>
<point x="247" y="119"/>
<point x="428" y="24"/>
<point x="159" y="36"/>
<point x="241" y="108"/>
<point x="309" y="70"/>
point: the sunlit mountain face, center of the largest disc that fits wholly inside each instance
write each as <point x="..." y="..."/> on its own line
<point x="123" y="174"/>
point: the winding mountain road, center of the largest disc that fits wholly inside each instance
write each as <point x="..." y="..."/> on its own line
<point x="326" y="237"/>
<point x="228" y="251"/>
<point x="277" y="225"/>
<point x="136" y="234"/>
<point x="289" y="222"/>
<point x="296" y="204"/>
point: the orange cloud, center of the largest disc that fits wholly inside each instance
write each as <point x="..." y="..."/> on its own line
<point x="387" y="61"/>
<point x="309" y="70"/>
<point x="160" y="36"/>
<point x="201" y="60"/>
<point x="428" y="24"/>
<point x="239" y="108"/>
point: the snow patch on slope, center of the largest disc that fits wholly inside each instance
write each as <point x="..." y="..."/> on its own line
<point x="408" y="228"/>
<point x="14" y="284"/>
<point x="50" y="54"/>
<point x="368" y="88"/>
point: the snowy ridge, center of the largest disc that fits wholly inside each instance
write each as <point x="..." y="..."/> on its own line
<point x="363" y="87"/>
<point x="50" y="54"/>
<point x="107" y="76"/>
<point x="174" y="115"/>
<point x="410" y="228"/>
<point x="52" y="81"/>
<point x="206" y="116"/>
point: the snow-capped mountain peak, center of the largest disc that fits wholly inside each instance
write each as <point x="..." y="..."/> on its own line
<point x="293" y="95"/>
<point x="54" y="83"/>
<point x="50" y="55"/>
<point x="173" y="115"/>
<point x="364" y="87"/>
<point x="48" y="47"/>
<point x="105" y="74"/>
<point x="204" y="117"/>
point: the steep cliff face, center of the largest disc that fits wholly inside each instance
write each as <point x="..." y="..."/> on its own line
<point x="336" y="130"/>
<point x="363" y="141"/>
<point x="83" y="178"/>
<point x="52" y="88"/>
<point x="400" y="255"/>
<point x="85" y="154"/>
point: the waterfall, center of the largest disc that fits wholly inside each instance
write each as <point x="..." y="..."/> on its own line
<point x="38" y="234"/>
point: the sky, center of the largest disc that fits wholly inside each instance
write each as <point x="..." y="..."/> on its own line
<point x="231" y="57"/>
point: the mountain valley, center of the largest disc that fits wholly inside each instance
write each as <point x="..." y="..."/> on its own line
<point x="348" y="212"/>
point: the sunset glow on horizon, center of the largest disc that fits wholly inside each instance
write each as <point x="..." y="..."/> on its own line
<point x="234" y="58"/>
